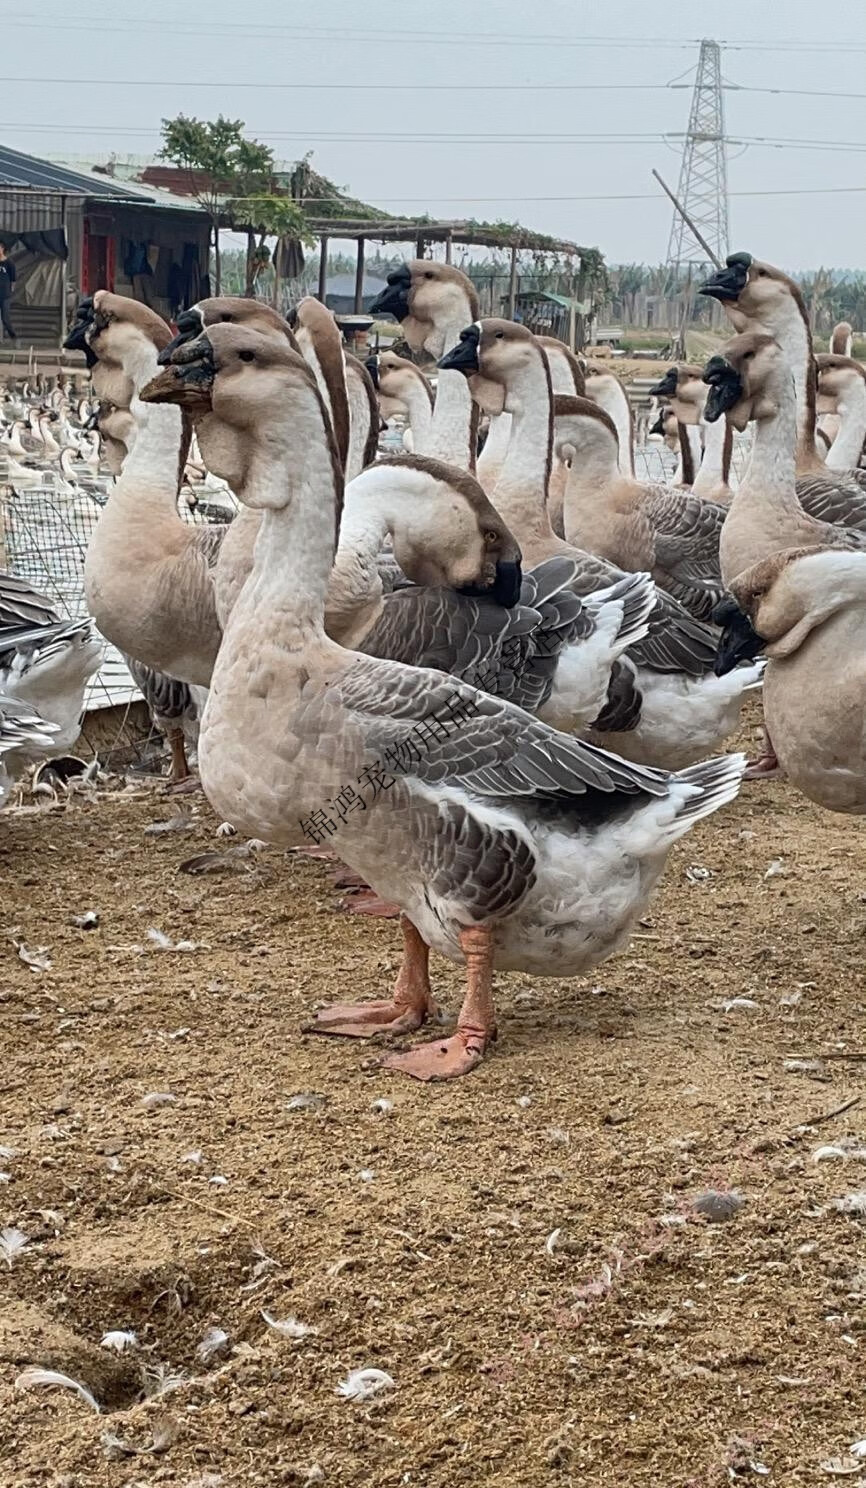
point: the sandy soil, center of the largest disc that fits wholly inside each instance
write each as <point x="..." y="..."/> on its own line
<point x="519" y="1250"/>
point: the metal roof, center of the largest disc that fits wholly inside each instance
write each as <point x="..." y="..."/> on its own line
<point x="17" y="171"/>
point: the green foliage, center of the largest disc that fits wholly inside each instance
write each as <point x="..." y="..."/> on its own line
<point x="222" y="162"/>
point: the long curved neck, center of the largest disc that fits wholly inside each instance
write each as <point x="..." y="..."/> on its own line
<point x="773" y="465"/>
<point x="361" y="413"/>
<point x="844" y="453"/>
<point x="594" y="469"/>
<point x="716" y="459"/>
<point x="520" y="494"/>
<point x="355" y="597"/>
<point x="492" y="457"/>
<point x="294" y="550"/>
<point x="827" y="583"/>
<point x="689" y="438"/>
<point x="455" y="417"/>
<point x="607" y="391"/>
<point x="420" y="412"/>
<point x="149" y="477"/>
<point x="791" y="330"/>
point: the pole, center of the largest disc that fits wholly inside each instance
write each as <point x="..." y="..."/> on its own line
<point x="512" y="284"/>
<point x="359" y="278"/>
<point x="687" y="219"/>
<point x="65" y="272"/>
<point x="323" y="268"/>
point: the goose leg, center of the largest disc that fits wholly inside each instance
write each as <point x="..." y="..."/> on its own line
<point x="411" y="1005"/>
<point x="445" y="1059"/>
<point x="181" y="781"/>
<point x="767" y="765"/>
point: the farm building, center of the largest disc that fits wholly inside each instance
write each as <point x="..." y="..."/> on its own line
<point x="70" y="232"/>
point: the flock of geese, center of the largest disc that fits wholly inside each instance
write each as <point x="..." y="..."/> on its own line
<point x="495" y="685"/>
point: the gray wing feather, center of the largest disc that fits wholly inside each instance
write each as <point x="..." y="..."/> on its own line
<point x="841" y="502"/>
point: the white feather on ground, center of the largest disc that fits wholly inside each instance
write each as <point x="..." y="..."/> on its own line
<point x="51" y="1379"/>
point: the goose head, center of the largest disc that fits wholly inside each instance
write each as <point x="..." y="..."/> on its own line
<point x="789" y="594"/>
<point x="753" y="291"/>
<point x="838" y="378"/>
<point x="684" y="386"/>
<point x="227" y="310"/>
<point x="580" y="425"/>
<point x="496" y="356"/>
<point x="842" y="338"/>
<point x="746" y="380"/>
<point x="115" y="426"/>
<point x="249" y="395"/>
<point x="396" y="379"/>
<point x="429" y="299"/>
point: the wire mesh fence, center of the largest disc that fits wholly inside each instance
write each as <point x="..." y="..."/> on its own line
<point x="46" y="532"/>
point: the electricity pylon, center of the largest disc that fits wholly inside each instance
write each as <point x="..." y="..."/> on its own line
<point x="703" y="187"/>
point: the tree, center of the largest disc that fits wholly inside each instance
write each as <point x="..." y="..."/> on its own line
<point x="221" y="164"/>
<point x="271" y="217"/>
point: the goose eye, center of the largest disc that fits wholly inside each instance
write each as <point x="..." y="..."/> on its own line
<point x="226" y="319"/>
<point x="499" y="335"/>
<point x="428" y="275"/>
<point x="491" y="537"/>
<point x="247" y="356"/>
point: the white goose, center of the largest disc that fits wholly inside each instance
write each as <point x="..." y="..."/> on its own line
<point x="505" y="843"/>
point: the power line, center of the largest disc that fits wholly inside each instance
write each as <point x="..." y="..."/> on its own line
<point x="342" y="87"/>
<point x="407" y="38"/>
<point x="330" y="137"/>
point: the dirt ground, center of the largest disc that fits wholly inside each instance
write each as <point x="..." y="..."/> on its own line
<point x="519" y="1251"/>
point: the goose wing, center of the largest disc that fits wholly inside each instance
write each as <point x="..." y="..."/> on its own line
<point x="441" y="732"/>
<point x="676" y="642"/>
<point x="510" y="653"/>
<point x="686" y="532"/>
<point x="842" y="501"/>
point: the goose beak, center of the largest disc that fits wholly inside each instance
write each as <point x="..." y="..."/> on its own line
<point x="726" y="388"/>
<point x="729" y="282"/>
<point x="668" y="385"/>
<point x="372" y="365"/>
<point x="659" y="426"/>
<point x="739" y="640"/>
<point x="189" y="325"/>
<point x="505" y="589"/>
<point x="188" y="378"/>
<point x="464" y="356"/>
<point x="394" y="300"/>
<point x="77" y="338"/>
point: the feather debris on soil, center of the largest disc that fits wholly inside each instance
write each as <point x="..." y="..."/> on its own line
<point x="87" y="921"/>
<point x="717" y="1206"/>
<point x="213" y="1345"/>
<point x="363" y="1384"/>
<point x="307" y="1100"/>
<point x="162" y="942"/>
<point x="172" y="824"/>
<point x="51" y="1379"/>
<point x="288" y="1327"/>
<point x="12" y="1242"/>
<point x="156" y="1098"/>
<point x="37" y="959"/>
<point x="119" y="1340"/>
<point x="852" y="1203"/>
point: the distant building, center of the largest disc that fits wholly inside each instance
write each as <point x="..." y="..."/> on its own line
<point x="71" y="232"/>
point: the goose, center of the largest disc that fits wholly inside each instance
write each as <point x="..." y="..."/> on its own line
<point x="666" y="707"/>
<point x="606" y="389"/>
<point x="809" y="605"/>
<point x="566" y="378"/>
<point x="46" y="661"/>
<point x="10" y="439"/>
<point x="842" y="339"/>
<point x="711" y="456"/>
<point x="666" y="428"/>
<point x="399" y="382"/>
<point x="25" y="737"/>
<point x="147" y="573"/>
<point x="504" y="843"/>
<point x="363" y="416"/>
<point x="751" y="379"/>
<point x="758" y="297"/>
<point x="638" y="527"/>
<point x="667" y="531"/>
<point x="433" y="302"/>
<point x="842" y="382"/>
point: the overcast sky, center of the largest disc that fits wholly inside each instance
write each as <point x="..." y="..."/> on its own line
<point x="483" y="48"/>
